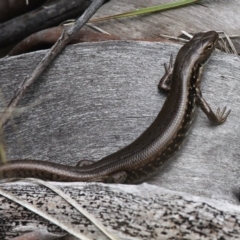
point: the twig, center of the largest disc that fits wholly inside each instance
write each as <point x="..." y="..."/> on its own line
<point x="66" y="36"/>
<point x="232" y="47"/>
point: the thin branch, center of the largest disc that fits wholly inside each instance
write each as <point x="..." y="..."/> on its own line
<point x="47" y="15"/>
<point x="66" y="36"/>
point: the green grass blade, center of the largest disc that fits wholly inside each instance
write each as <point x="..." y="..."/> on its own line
<point x="148" y="10"/>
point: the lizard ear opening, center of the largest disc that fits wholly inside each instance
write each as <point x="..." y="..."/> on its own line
<point x="210" y="46"/>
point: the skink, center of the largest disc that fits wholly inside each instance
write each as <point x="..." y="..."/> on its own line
<point x="158" y="142"/>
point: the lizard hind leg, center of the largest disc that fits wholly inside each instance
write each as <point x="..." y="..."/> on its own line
<point x="118" y="177"/>
<point x="166" y="81"/>
<point x="83" y="163"/>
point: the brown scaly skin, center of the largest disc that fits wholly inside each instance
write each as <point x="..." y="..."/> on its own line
<point x="158" y="142"/>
